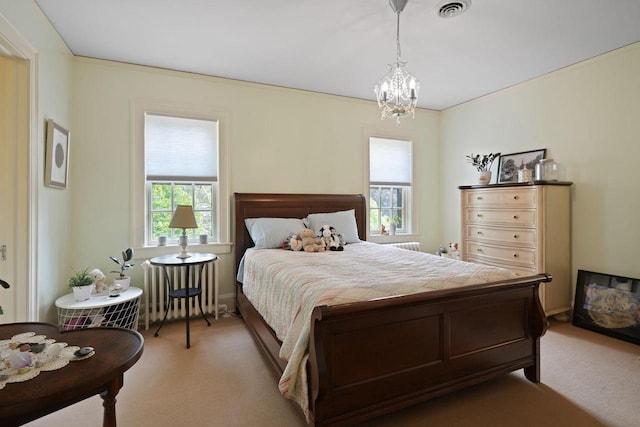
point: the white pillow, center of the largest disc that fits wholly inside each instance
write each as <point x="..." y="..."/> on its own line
<point x="343" y="221"/>
<point x="268" y="233"/>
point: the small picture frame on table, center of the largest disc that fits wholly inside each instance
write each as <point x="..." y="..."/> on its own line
<point x="608" y="304"/>
<point x="56" y="170"/>
<point x="509" y="164"/>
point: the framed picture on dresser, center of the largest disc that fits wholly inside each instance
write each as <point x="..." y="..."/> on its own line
<point x="509" y="164"/>
<point x="608" y="304"/>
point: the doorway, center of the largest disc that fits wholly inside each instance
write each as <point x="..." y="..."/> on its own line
<point x="18" y="131"/>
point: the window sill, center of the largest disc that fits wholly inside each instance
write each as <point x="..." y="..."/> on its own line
<point x="153" y="251"/>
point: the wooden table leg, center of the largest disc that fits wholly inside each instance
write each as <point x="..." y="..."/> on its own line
<point x="109" y="401"/>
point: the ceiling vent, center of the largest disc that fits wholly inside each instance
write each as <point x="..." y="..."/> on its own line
<point x="450" y="9"/>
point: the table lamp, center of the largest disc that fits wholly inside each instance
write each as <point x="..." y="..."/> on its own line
<point x="183" y="218"/>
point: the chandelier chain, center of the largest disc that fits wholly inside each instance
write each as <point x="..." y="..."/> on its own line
<point x="398" y="49"/>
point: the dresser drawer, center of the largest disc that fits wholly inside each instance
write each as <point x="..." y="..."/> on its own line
<point x="518" y="257"/>
<point x="518" y="271"/>
<point x="515" y="236"/>
<point x="508" y="217"/>
<point x="501" y="197"/>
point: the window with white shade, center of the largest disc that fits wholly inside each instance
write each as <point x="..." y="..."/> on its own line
<point x="181" y="168"/>
<point x="179" y="157"/>
<point x="390" y="176"/>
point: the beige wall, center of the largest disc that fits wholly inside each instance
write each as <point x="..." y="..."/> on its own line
<point x="588" y="118"/>
<point x="279" y="140"/>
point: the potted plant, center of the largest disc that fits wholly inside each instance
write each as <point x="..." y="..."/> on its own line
<point x="122" y="279"/>
<point x="82" y="283"/>
<point x="483" y="163"/>
<point x="395" y="222"/>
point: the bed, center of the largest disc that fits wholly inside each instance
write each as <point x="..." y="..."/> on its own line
<point x="372" y="357"/>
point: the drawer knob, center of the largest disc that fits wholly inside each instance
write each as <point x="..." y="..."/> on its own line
<point x="515" y="255"/>
<point x="479" y="215"/>
<point x="479" y="250"/>
<point x="515" y="197"/>
<point x="479" y="198"/>
<point x="515" y="217"/>
<point x="479" y="232"/>
<point x="515" y="236"/>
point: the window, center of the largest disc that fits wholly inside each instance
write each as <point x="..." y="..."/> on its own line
<point x="181" y="163"/>
<point x="179" y="156"/>
<point x="389" y="185"/>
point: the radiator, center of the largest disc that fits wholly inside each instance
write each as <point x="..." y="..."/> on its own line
<point x="155" y="291"/>
<point x="411" y="246"/>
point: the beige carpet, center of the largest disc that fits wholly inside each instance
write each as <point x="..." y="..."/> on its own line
<point x="588" y="379"/>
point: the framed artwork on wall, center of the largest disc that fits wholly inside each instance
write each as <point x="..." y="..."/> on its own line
<point x="509" y="164"/>
<point x="56" y="156"/>
<point x="608" y="304"/>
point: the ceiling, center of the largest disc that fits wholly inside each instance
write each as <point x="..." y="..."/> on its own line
<point x="343" y="47"/>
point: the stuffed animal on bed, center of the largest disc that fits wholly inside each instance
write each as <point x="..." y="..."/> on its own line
<point x="338" y="240"/>
<point x="311" y="243"/>
<point x="292" y="243"/>
<point x="331" y="238"/>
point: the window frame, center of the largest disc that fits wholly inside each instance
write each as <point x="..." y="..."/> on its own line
<point x="405" y="207"/>
<point x="190" y="232"/>
<point x="139" y="195"/>
<point x="410" y="223"/>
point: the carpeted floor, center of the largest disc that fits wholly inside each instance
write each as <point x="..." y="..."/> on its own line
<point x="588" y="379"/>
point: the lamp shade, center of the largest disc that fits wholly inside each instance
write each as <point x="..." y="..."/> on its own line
<point x="183" y="217"/>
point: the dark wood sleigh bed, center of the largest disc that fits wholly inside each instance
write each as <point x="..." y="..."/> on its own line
<point x="375" y="357"/>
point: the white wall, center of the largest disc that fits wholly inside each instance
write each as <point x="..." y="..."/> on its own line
<point x="588" y="118"/>
<point x="280" y="140"/>
<point x="53" y="95"/>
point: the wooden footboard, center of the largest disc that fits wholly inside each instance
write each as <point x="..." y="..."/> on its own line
<point x="371" y="358"/>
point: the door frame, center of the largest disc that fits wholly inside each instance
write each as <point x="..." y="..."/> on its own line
<point x="14" y="44"/>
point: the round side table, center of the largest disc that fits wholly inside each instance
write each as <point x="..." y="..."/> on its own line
<point x="100" y="310"/>
<point x="195" y="262"/>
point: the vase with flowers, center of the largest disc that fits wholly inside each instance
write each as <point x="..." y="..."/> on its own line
<point x="483" y="163"/>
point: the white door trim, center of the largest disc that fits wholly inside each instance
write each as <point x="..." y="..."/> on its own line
<point x="12" y="43"/>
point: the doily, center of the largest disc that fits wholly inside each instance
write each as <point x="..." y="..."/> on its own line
<point x="44" y="355"/>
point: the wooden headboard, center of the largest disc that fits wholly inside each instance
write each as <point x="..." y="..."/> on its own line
<point x="259" y="205"/>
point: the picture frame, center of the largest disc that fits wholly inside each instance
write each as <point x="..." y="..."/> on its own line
<point x="56" y="156"/>
<point x="509" y="164"/>
<point x="608" y="304"/>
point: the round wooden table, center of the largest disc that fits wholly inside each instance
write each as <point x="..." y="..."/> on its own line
<point x="116" y="350"/>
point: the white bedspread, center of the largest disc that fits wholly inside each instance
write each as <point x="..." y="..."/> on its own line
<point x="285" y="286"/>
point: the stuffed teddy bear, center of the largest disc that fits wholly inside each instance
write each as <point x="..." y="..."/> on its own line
<point x="292" y="243"/>
<point x="311" y="243"/>
<point x="331" y="238"/>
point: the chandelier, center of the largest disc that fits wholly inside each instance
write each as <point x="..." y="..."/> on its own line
<point x="397" y="92"/>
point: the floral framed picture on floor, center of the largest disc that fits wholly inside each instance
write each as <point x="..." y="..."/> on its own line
<point x="509" y="164"/>
<point x="608" y="304"/>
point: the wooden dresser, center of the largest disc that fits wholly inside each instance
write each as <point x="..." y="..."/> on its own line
<point x="524" y="227"/>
